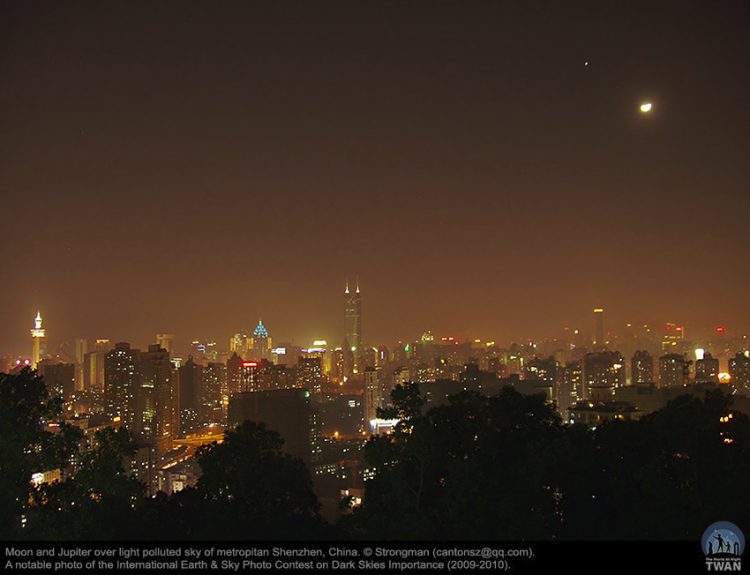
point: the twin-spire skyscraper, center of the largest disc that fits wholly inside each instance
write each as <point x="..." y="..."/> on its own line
<point x="353" y="330"/>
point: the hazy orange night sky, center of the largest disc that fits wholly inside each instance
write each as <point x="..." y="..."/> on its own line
<point x="189" y="167"/>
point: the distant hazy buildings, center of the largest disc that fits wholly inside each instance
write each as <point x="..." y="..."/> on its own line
<point x="599" y="341"/>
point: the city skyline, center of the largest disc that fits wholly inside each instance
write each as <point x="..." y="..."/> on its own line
<point x="486" y="171"/>
<point x="586" y="329"/>
<point x="585" y="337"/>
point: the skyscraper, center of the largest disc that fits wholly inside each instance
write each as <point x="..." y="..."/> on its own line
<point x="121" y="383"/>
<point x="82" y="348"/>
<point x="571" y="386"/>
<point x="374" y="392"/>
<point x="261" y="343"/>
<point x="599" y="328"/>
<point x="39" y="346"/>
<point x="353" y="329"/>
<point x="93" y="370"/>
<point x="158" y="407"/>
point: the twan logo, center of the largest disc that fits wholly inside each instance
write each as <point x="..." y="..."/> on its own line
<point x="723" y="544"/>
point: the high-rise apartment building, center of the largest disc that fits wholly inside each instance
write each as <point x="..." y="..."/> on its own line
<point x="158" y="412"/>
<point x="310" y="376"/>
<point x="673" y="370"/>
<point x="190" y="379"/>
<point x="211" y="408"/>
<point x="641" y="368"/>
<point x="739" y="372"/>
<point x="707" y="369"/>
<point x="603" y="372"/>
<point x="122" y="384"/>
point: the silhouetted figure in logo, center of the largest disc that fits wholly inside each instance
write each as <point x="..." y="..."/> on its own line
<point x="736" y="547"/>
<point x="720" y="539"/>
<point x="710" y="548"/>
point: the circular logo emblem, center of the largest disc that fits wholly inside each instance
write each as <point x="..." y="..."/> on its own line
<point x="723" y="540"/>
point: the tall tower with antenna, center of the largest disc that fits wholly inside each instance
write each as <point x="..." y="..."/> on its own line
<point x="353" y="326"/>
<point x="38" y="338"/>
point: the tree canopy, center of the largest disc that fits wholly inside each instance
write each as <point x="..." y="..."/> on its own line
<point x="502" y="467"/>
<point x="505" y="467"/>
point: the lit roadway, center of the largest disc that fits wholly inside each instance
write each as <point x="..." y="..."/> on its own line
<point x="195" y="440"/>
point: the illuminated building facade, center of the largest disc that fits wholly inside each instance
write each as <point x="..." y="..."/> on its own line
<point x="211" y="407"/>
<point x="603" y="372"/>
<point x="374" y="395"/>
<point x="82" y="348"/>
<point x="570" y="388"/>
<point x="121" y="384"/>
<point x="238" y="344"/>
<point x="310" y="376"/>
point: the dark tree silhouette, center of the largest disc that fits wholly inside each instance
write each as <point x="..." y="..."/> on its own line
<point x="477" y="468"/>
<point x="493" y="468"/>
<point x="102" y="501"/>
<point x="504" y="467"/>
<point x="249" y="489"/>
<point x="25" y="446"/>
